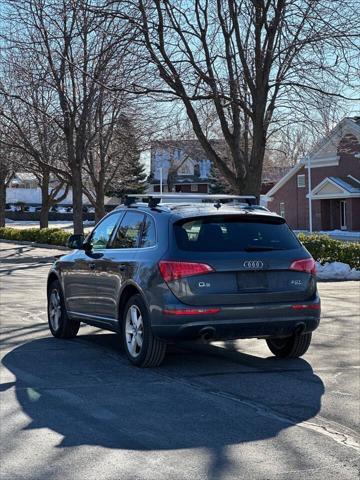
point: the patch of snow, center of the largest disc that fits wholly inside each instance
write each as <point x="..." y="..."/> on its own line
<point x="336" y="271"/>
<point x="340" y="233"/>
<point x="8" y="220"/>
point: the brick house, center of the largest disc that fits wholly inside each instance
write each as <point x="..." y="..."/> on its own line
<point x="335" y="183"/>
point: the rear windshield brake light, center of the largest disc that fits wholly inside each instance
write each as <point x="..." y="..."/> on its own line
<point x="307" y="265"/>
<point x="175" y="270"/>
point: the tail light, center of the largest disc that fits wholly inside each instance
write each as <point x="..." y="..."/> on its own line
<point x="307" y="265"/>
<point x="310" y="306"/>
<point x="175" y="270"/>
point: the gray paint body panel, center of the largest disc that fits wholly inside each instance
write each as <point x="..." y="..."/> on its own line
<point x="94" y="282"/>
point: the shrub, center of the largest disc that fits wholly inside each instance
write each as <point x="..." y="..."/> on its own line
<point x="326" y="249"/>
<point x="52" y="236"/>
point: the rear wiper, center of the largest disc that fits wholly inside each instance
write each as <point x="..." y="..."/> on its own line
<point x="260" y="248"/>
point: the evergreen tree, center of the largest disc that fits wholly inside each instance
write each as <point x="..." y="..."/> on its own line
<point x="131" y="178"/>
<point x="218" y="184"/>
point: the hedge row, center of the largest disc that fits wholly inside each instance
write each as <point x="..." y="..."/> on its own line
<point x="52" y="236"/>
<point x="326" y="249"/>
<point x="322" y="247"/>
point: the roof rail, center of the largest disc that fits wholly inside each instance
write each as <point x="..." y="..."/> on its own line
<point x="154" y="199"/>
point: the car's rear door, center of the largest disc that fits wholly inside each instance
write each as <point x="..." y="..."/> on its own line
<point x="250" y="257"/>
<point x="120" y="260"/>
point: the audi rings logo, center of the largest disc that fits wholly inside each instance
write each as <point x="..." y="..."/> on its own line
<point x="254" y="264"/>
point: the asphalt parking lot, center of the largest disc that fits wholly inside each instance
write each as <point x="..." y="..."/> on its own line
<point x="77" y="410"/>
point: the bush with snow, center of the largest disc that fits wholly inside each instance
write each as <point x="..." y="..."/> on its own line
<point x="328" y="250"/>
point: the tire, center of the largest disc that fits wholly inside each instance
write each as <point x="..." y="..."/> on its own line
<point x="61" y="326"/>
<point x="142" y="348"/>
<point x="291" y="347"/>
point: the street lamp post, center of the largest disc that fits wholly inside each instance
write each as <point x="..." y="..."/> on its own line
<point x="309" y="194"/>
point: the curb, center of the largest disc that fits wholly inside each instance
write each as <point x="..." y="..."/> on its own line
<point x="34" y="244"/>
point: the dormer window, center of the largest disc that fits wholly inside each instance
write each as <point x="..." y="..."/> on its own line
<point x="184" y="169"/>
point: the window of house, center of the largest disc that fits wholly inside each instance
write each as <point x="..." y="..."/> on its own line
<point x="282" y="209"/>
<point x="301" y="181"/>
<point x="184" y="169"/>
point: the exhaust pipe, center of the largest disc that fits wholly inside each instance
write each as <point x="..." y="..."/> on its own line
<point x="207" y="333"/>
<point x="299" y="328"/>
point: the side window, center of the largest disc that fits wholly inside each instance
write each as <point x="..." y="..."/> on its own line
<point x="301" y="181"/>
<point x="127" y="235"/>
<point x="102" y="233"/>
<point x="148" y="238"/>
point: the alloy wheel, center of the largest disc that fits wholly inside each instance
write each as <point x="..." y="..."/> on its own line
<point x="134" y="331"/>
<point x="55" y="309"/>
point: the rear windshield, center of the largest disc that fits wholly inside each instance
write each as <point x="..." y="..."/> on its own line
<point x="224" y="234"/>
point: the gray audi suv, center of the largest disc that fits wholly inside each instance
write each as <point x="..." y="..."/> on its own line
<point x="164" y="272"/>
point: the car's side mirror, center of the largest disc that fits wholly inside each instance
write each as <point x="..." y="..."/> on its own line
<point x="75" y="241"/>
<point x="87" y="246"/>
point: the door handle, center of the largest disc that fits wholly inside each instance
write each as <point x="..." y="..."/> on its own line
<point x="92" y="266"/>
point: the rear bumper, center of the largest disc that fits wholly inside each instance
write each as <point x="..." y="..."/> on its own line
<point x="259" y="321"/>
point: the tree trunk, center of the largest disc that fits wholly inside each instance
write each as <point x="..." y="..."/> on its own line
<point x="76" y="183"/>
<point x="252" y="181"/>
<point x="74" y="160"/>
<point x="44" y="213"/>
<point x="100" y="204"/>
<point x="99" y="213"/>
<point x="2" y="200"/>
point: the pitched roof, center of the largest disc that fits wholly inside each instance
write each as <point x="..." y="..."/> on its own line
<point x="350" y="184"/>
<point x="25" y="177"/>
<point x="284" y="179"/>
<point x="336" y="188"/>
<point x="351" y="123"/>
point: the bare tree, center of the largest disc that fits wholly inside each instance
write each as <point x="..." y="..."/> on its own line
<point x="28" y="129"/>
<point x="7" y="170"/>
<point x="75" y="47"/>
<point x="258" y="62"/>
<point x="289" y="144"/>
<point x="112" y="148"/>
